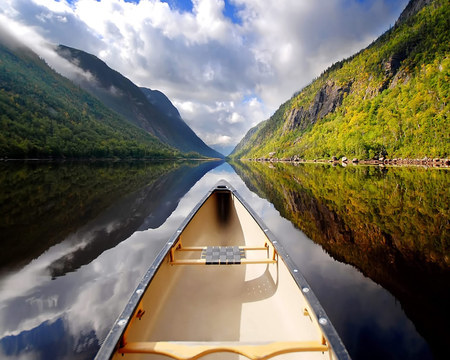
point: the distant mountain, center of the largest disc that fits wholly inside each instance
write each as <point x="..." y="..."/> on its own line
<point x="183" y="137"/>
<point x="43" y="114"/>
<point x="149" y="109"/>
<point x="245" y="140"/>
<point x="388" y="100"/>
<point x="161" y="102"/>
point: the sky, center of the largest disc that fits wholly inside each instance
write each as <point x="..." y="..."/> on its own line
<point x="225" y="64"/>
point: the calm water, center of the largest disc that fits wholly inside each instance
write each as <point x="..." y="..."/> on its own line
<point x="76" y="238"/>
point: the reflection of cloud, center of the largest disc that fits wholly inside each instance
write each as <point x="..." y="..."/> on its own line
<point x="17" y="284"/>
<point x="29" y="355"/>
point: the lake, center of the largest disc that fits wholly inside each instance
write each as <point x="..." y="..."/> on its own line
<point x="76" y="238"/>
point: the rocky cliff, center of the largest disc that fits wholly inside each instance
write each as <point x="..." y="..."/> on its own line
<point x="411" y="9"/>
<point x="327" y="99"/>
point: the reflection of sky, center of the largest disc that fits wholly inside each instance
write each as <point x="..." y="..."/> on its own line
<point x="76" y="310"/>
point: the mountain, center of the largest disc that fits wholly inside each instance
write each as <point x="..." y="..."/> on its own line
<point x="149" y="109"/>
<point x="248" y="137"/>
<point x="388" y="100"/>
<point x="43" y="114"/>
<point x="161" y="102"/>
<point x="182" y="136"/>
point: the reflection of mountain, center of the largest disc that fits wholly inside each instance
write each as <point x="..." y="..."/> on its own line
<point x="146" y="208"/>
<point x="42" y="203"/>
<point x="392" y="224"/>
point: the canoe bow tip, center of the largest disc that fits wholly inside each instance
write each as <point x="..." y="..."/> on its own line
<point x="223" y="184"/>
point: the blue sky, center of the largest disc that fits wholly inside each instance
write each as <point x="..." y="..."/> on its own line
<point x="229" y="11"/>
<point x="225" y="64"/>
<point x="182" y="5"/>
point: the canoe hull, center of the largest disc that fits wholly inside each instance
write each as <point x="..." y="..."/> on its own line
<point x="223" y="288"/>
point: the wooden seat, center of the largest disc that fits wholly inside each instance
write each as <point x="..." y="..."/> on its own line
<point x="203" y="262"/>
<point x="221" y="255"/>
<point x="195" y="350"/>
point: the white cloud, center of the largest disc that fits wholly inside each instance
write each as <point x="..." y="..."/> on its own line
<point x="223" y="140"/>
<point x="223" y="77"/>
<point x="236" y="118"/>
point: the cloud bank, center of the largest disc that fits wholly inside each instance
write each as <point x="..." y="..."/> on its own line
<point x="226" y="65"/>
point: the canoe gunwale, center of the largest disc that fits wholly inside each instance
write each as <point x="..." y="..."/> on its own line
<point x="324" y="322"/>
<point x="112" y="341"/>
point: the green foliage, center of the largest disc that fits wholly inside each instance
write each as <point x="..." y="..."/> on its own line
<point x="407" y="207"/>
<point x="43" y="114"/>
<point x="397" y="106"/>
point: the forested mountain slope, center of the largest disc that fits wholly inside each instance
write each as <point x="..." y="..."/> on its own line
<point x="43" y="114"/>
<point x="148" y="109"/>
<point x="389" y="100"/>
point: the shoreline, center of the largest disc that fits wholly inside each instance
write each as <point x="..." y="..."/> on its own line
<point x="105" y="159"/>
<point x="427" y="162"/>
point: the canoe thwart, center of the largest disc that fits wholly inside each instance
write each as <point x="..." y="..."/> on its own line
<point x="196" y="350"/>
<point x="221" y="255"/>
<point x="202" y="248"/>
<point x="203" y="262"/>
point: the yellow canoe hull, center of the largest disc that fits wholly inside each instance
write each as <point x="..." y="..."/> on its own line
<point x="223" y="288"/>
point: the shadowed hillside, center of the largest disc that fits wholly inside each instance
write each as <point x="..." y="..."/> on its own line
<point x="148" y="109"/>
<point x="42" y="114"/>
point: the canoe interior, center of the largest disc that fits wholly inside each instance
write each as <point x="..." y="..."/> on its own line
<point x="223" y="304"/>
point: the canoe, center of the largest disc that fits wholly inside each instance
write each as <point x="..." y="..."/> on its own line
<point x="223" y="287"/>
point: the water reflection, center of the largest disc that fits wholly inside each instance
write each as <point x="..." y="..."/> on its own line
<point x="68" y="317"/>
<point x="65" y="317"/>
<point x="146" y="208"/>
<point x="392" y="224"/>
<point x="93" y="206"/>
